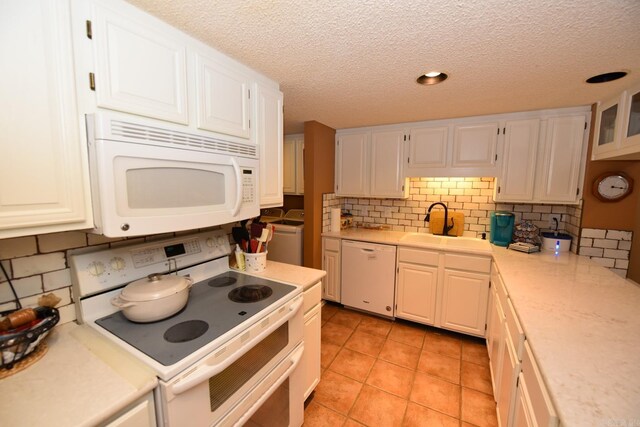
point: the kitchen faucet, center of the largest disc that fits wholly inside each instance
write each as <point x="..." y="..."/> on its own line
<point x="445" y="228"/>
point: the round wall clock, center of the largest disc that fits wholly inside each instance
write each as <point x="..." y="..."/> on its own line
<point x="612" y="186"/>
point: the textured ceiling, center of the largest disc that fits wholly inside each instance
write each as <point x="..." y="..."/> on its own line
<point x="354" y="62"/>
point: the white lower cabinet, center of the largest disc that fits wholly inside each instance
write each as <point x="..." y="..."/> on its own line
<point x="465" y="292"/>
<point x="532" y="405"/>
<point x="312" y="325"/>
<point x="443" y="289"/>
<point x="416" y="285"/>
<point x="495" y="341"/>
<point x="331" y="264"/>
<point x="140" y="413"/>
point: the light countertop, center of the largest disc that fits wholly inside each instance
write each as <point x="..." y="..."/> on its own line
<point x="82" y="380"/>
<point x="417" y="240"/>
<point x="291" y="274"/>
<point x="582" y="322"/>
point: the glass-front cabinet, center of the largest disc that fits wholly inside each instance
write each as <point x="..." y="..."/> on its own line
<point x="631" y="127"/>
<point x="608" y="126"/>
<point x="617" y="131"/>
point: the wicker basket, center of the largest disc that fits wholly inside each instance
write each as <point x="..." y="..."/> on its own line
<point x="19" y="342"/>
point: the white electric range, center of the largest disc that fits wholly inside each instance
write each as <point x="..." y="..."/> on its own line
<point x="219" y="361"/>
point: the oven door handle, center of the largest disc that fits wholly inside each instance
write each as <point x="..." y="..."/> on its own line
<point x="239" y="187"/>
<point x="206" y="371"/>
<point x="294" y="361"/>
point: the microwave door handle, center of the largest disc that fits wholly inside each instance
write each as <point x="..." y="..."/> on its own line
<point x="206" y="371"/>
<point x="236" y="169"/>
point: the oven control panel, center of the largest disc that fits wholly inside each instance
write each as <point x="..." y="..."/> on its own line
<point x="95" y="272"/>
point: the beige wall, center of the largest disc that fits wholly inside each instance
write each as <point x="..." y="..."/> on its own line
<point x="622" y="215"/>
<point x="319" y="160"/>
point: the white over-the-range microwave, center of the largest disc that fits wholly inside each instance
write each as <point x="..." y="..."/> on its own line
<point x="148" y="179"/>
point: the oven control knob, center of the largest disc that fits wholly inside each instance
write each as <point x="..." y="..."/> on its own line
<point x="210" y="242"/>
<point x="96" y="268"/>
<point x="220" y="241"/>
<point x="117" y="263"/>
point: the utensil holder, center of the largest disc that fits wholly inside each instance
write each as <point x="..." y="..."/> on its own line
<point x="255" y="262"/>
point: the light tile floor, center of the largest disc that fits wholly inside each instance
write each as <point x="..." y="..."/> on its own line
<point x="380" y="373"/>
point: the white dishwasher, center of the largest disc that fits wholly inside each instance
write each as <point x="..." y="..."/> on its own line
<point x="368" y="276"/>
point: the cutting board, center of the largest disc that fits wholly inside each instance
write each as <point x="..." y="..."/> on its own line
<point x="437" y="221"/>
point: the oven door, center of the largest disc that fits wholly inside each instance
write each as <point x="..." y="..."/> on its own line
<point x="143" y="189"/>
<point x="237" y="380"/>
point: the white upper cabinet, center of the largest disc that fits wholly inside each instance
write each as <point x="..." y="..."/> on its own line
<point x="516" y="181"/>
<point x="370" y="164"/>
<point x="562" y="161"/>
<point x="269" y="139"/>
<point x="427" y="149"/>
<point x="352" y="164"/>
<point x="140" y="65"/>
<point x="223" y="97"/>
<point x="293" y="159"/>
<point x="617" y="130"/>
<point x="43" y="167"/>
<point x="387" y="153"/>
<point x="475" y="147"/>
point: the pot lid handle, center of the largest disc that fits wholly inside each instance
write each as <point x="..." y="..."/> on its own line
<point x="154" y="277"/>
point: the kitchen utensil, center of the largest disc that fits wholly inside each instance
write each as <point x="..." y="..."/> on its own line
<point x="256" y="229"/>
<point x="263" y="238"/>
<point x="153" y="298"/>
<point x="238" y="234"/>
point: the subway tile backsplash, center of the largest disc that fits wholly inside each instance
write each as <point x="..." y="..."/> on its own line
<point x="39" y="264"/>
<point x="471" y="196"/>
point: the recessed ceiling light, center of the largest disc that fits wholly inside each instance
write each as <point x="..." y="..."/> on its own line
<point x="432" y="78"/>
<point x="607" y="77"/>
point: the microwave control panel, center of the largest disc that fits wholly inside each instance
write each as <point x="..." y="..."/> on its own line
<point x="248" y="186"/>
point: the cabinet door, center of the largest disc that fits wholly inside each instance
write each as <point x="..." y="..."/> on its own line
<point x="352" y="158"/>
<point x="331" y="264"/>
<point x="495" y="343"/>
<point x="43" y="167"/>
<point x="311" y="357"/>
<point x="427" y="150"/>
<point x="387" y="153"/>
<point x="608" y="128"/>
<point x="289" y="162"/>
<point x="464" y="302"/>
<point x="631" y="122"/>
<point x="416" y="292"/>
<point x="508" y="381"/>
<point x="518" y="161"/>
<point x="522" y="416"/>
<point x="223" y="97"/>
<point x="300" y="166"/>
<point x="269" y="139"/>
<point x="140" y="64"/>
<point x="562" y="159"/>
<point x="475" y="146"/>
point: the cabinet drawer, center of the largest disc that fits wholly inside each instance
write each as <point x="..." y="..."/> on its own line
<point x="468" y="262"/>
<point x="515" y="330"/>
<point x="332" y="245"/>
<point x="417" y="256"/>
<point x="311" y="297"/>
<point x="542" y="408"/>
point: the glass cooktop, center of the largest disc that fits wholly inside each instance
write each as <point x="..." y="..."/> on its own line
<point x="209" y="314"/>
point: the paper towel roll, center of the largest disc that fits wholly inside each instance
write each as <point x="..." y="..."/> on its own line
<point x="335" y="220"/>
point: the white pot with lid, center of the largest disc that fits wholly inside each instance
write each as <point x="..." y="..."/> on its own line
<point x="153" y="298"/>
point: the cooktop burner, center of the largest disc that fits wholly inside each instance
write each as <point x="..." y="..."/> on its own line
<point x="222" y="281"/>
<point x="250" y="293"/>
<point x="186" y="331"/>
<point x="209" y="315"/>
